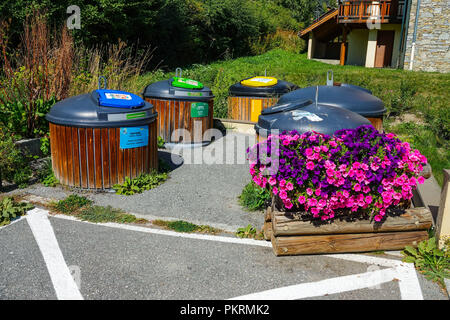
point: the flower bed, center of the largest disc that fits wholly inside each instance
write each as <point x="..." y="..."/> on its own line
<point x="356" y="172"/>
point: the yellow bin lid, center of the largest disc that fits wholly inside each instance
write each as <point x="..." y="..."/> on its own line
<point x="259" y="82"/>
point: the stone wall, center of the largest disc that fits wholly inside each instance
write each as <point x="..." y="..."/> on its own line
<point x="433" y="36"/>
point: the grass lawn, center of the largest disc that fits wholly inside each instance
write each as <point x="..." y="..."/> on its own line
<point x="423" y="96"/>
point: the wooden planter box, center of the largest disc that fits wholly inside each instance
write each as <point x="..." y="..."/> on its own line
<point x="290" y="235"/>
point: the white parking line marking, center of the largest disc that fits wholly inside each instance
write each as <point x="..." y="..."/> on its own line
<point x="325" y="287"/>
<point x="405" y="273"/>
<point x="64" y="284"/>
<point x="173" y="233"/>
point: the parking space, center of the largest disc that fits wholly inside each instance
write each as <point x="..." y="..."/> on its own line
<point x="114" y="261"/>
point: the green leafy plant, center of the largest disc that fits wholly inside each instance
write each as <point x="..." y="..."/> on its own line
<point x="184" y="226"/>
<point x="161" y="142"/>
<point x="10" y="209"/>
<point x="432" y="262"/>
<point x="247" y="232"/>
<point x="45" y="146"/>
<point x="129" y="187"/>
<point x="46" y="175"/>
<point x="22" y="177"/>
<point x="13" y="164"/>
<point x="105" y="214"/>
<point x="141" y="183"/>
<point x="254" y="197"/>
<point x="72" y="204"/>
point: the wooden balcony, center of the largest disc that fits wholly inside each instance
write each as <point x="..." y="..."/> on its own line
<point x="382" y="11"/>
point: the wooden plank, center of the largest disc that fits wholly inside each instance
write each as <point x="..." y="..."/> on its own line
<point x="69" y="155"/>
<point x="83" y="158"/>
<point x="105" y="158"/>
<point x="113" y="147"/>
<point x="54" y="149"/>
<point x="377" y="123"/>
<point x="268" y="214"/>
<point x="76" y="158"/>
<point x="90" y="157"/>
<point x="363" y="242"/>
<point x="413" y="219"/>
<point x="98" y="158"/>
<point x="267" y="231"/>
<point x="63" y="153"/>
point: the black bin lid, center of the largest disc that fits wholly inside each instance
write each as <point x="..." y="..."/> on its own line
<point x="349" y="97"/>
<point x="165" y="90"/>
<point x="304" y="116"/>
<point x="276" y="90"/>
<point x="102" y="109"/>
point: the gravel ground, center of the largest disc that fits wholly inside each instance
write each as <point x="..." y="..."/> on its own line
<point x="204" y="193"/>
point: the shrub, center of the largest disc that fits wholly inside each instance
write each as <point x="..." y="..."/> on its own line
<point x="36" y="78"/>
<point x="140" y="184"/>
<point x="11" y="209"/>
<point x="254" y="197"/>
<point x="46" y="175"/>
<point x="429" y="260"/>
<point x="357" y="171"/>
<point x="14" y="165"/>
<point x="72" y="204"/>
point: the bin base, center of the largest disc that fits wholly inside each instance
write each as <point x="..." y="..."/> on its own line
<point x="172" y="145"/>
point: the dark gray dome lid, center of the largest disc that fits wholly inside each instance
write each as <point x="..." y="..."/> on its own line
<point x="304" y="116"/>
<point x="277" y="90"/>
<point x="349" y="97"/>
<point x="165" y="90"/>
<point x="85" y="111"/>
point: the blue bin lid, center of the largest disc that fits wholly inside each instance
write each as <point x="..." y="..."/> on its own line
<point x="118" y="99"/>
<point x="102" y="109"/>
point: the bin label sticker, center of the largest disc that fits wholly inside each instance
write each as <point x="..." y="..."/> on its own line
<point x="133" y="137"/>
<point x="297" y="115"/>
<point x="188" y="94"/>
<point x="126" y="116"/>
<point x="118" y="96"/>
<point x="199" y="109"/>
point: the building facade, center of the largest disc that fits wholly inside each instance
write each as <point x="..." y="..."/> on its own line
<point x="384" y="33"/>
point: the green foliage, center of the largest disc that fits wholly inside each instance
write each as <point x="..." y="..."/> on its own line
<point x="401" y="100"/>
<point x="46" y="175"/>
<point x="249" y="232"/>
<point x="11" y="209"/>
<point x="99" y="214"/>
<point x="184" y="226"/>
<point x="140" y="184"/>
<point x="8" y="156"/>
<point x="72" y="204"/>
<point x="197" y="30"/>
<point x="129" y="187"/>
<point x="14" y="165"/>
<point x="161" y="142"/>
<point x="254" y="197"/>
<point x="429" y="260"/>
<point x="45" y="146"/>
<point x="22" y="176"/>
<point x="425" y="139"/>
<point x="18" y="118"/>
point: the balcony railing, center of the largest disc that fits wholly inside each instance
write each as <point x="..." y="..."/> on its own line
<point x="383" y="11"/>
